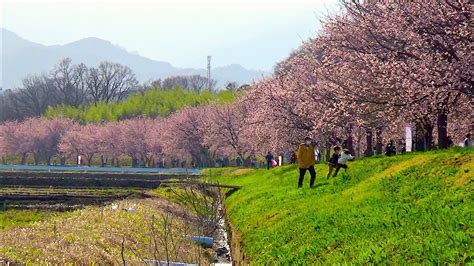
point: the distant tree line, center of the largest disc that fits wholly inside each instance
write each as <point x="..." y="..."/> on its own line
<point x="196" y="83"/>
<point x="71" y="86"/>
<point x="68" y="84"/>
<point x="152" y="102"/>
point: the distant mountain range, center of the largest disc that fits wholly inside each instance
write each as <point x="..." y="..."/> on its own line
<point x="21" y="57"/>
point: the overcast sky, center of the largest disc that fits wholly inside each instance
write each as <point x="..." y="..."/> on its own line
<point x="253" y="33"/>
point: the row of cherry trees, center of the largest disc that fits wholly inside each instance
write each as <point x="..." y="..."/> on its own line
<point x="372" y="69"/>
<point x="194" y="134"/>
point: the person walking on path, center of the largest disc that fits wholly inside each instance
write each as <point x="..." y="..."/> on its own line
<point x="468" y="141"/>
<point x="306" y="161"/>
<point x="269" y="159"/>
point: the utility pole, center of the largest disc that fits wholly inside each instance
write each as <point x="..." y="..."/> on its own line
<point x="209" y="72"/>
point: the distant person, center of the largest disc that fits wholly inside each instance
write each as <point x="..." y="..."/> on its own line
<point x="449" y="142"/>
<point x="319" y="157"/>
<point x="341" y="162"/>
<point x="344" y="144"/>
<point x="103" y="160"/>
<point x="269" y="158"/>
<point x="306" y="161"/>
<point x="333" y="160"/>
<point x="400" y="147"/>
<point x="390" y="149"/>
<point x="238" y="161"/>
<point x="468" y="141"/>
<point x="316" y="152"/>
<point x="274" y="163"/>
<point x="403" y="148"/>
<point x="293" y="157"/>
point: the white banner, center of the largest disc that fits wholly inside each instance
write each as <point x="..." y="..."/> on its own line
<point x="408" y="138"/>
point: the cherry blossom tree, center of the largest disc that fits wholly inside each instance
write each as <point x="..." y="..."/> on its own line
<point x="35" y="136"/>
<point x="184" y="134"/>
<point x="226" y="130"/>
<point x="412" y="58"/>
<point x="140" y="138"/>
<point x="82" y="140"/>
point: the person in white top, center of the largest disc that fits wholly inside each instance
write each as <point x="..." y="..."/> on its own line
<point x="341" y="162"/>
<point x="468" y="141"/>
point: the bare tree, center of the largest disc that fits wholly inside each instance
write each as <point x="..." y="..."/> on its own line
<point x="195" y="82"/>
<point x="156" y="83"/>
<point x="32" y="99"/>
<point x="176" y="81"/>
<point x="110" y="82"/>
<point x="69" y="83"/>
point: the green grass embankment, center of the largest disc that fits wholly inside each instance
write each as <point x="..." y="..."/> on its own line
<point x="413" y="208"/>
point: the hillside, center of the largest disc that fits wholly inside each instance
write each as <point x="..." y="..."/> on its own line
<point x="21" y="57"/>
<point x="412" y="208"/>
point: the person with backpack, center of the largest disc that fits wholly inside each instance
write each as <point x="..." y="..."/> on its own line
<point x="269" y="159"/>
<point x="305" y="156"/>
<point x="333" y="160"/>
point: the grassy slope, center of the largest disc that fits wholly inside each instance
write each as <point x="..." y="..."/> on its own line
<point x="409" y="208"/>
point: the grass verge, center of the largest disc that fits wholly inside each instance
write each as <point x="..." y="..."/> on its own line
<point x="413" y="208"/>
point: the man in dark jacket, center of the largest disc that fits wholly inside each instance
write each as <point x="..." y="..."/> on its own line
<point x="269" y="158"/>
<point x="333" y="161"/>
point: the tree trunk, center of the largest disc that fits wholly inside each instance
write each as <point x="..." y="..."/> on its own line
<point x="350" y="140"/>
<point x="328" y="152"/>
<point x="378" y="137"/>
<point x="443" y="130"/>
<point x="89" y="160"/>
<point x="149" y="161"/>
<point x="428" y="137"/>
<point x="418" y="137"/>
<point x="36" y="158"/>
<point x="115" y="161"/>
<point x="23" y="158"/>
<point x="369" y="136"/>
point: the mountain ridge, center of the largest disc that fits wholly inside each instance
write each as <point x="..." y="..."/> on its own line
<point x="21" y="57"/>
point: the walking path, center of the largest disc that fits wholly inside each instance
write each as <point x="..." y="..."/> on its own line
<point x="100" y="169"/>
